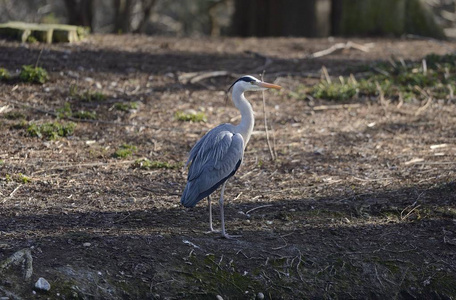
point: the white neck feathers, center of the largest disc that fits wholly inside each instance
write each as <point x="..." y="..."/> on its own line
<point x="245" y="128"/>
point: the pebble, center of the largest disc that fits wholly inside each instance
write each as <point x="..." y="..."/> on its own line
<point x="218" y="297"/>
<point x="260" y="296"/>
<point x="42" y="284"/>
<point x="87" y="244"/>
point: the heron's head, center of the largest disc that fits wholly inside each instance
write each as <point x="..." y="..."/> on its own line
<point x="250" y="83"/>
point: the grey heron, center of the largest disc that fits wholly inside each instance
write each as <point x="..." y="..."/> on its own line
<point x="217" y="156"/>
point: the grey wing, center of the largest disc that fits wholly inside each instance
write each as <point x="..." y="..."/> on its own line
<point x="216" y="158"/>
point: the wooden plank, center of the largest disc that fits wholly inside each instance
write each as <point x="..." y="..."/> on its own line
<point x="47" y="33"/>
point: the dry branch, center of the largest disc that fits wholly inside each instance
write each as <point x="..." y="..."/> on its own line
<point x="11" y="195"/>
<point x="258" y="207"/>
<point x="424" y="107"/>
<point x="195" y="77"/>
<point x="341" y="46"/>
<point x="337" y="106"/>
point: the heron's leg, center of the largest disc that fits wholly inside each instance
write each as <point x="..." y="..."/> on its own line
<point x="210" y="213"/>
<point x="211" y="228"/>
<point x="222" y="213"/>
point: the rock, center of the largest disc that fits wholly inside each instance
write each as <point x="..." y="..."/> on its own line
<point x="260" y="296"/>
<point x="218" y="297"/>
<point x="42" y="284"/>
<point x="87" y="244"/>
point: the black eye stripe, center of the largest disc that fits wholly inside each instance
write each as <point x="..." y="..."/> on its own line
<point x="244" y="78"/>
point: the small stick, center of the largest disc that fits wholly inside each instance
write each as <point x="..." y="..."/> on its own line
<point x="340" y="46"/>
<point x="336" y="106"/>
<point x="15" y="190"/>
<point x="258" y="207"/>
<point x="38" y="59"/>
<point x="12" y="193"/>
<point x="266" y="124"/>
<point x="424" y="107"/>
<point x="382" y="98"/>
<point x="326" y="74"/>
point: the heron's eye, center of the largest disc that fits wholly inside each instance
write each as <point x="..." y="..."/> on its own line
<point x="252" y="82"/>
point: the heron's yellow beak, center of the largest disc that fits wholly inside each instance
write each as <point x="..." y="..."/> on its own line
<point x="269" y="85"/>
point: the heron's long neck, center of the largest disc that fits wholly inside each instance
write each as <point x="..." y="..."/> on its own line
<point x="245" y="128"/>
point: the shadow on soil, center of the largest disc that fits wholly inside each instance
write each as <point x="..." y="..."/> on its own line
<point x="124" y="62"/>
<point x="396" y="244"/>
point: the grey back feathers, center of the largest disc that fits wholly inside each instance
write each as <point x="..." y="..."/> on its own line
<point x="214" y="159"/>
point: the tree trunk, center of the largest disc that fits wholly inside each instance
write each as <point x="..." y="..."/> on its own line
<point x="382" y="18"/>
<point x="80" y="12"/>
<point x="148" y="7"/>
<point x="275" y="18"/>
<point x="123" y="14"/>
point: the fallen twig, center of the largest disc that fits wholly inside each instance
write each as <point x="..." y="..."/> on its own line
<point x="195" y="77"/>
<point x="11" y="195"/>
<point x="424" y="107"/>
<point x="258" y="207"/>
<point x="341" y="46"/>
<point x="414" y="206"/>
<point x="337" y="106"/>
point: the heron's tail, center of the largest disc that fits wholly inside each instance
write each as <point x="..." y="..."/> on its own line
<point x="191" y="196"/>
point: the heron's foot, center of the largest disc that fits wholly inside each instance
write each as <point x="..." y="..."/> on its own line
<point x="229" y="237"/>
<point x="212" y="230"/>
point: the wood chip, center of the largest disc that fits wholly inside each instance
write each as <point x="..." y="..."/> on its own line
<point x="413" y="161"/>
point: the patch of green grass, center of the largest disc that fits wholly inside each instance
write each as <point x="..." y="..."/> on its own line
<point x="86" y="95"/>
<point x="52" y="130"/>
<point x="146" y="164"/>
<point x="435" y="61"/>
<point x="4" y="74"/>
<point x="334" y="91"/>
<point x="23" y="179"/>
<point x="2" y="162"/>
<point x="64" y="111"/>
<point x="14" y="115"/>
<point x="124" y="151"/>
<point x="435" y="75"/>
<point x="87" y="115"/>
<point x="190" y="117"/>
<point x="33" y="74"/>
<point x="126" y="106"/>
<point x="20" y="178"/>
<point x="23" y="124"/>
<point x="91" y="96"/>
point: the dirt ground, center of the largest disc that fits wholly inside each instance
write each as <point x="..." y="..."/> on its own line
<point x="359" y="203"/>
